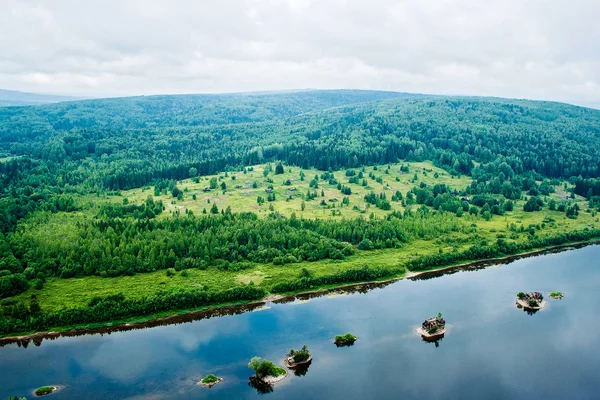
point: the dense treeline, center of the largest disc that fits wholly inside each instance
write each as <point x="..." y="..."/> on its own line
<point x="117" y="307"/>
<point x="307" y="281"/>
<point x="123" y="144"/>
<point x="114" y="244"/>
<point x="587" y="187"/>
<point x="500" y="248"/>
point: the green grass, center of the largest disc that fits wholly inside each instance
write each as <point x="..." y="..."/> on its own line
<point x="277" y="371"/>
<point x="44" y="390"/>
<point x="210" y="378"/>
<point x="244" y="198"/>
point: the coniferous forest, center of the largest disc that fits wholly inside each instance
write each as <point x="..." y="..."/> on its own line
<point x="213" y="199"/>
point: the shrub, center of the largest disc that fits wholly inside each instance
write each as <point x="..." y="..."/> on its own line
<point x="300" y="355"/>
<point x="44" y="390"/>
<point x="210" y="378"/>
<point x="264" y="368"/>
<point x="533" y="303"/>
<point x="171" y="272"/>
<point x="348" y="337"/>
<point x="365" y="244"/>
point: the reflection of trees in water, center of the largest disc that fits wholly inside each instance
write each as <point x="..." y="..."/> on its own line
<point x="301" y="370"/>
<point x="529" y="311"/>
<point x="482" y="264"/>
<point x="436" y="342"/>
<point x="261" y="386"/>
<point x="344" y="344"/>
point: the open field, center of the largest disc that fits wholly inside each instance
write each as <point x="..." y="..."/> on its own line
<point x="241" y="195"/>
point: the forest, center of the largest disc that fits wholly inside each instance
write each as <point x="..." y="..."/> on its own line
<point x="276" y="193"/>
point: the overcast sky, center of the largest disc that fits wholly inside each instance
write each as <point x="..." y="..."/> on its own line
<point x="542" y="49"/>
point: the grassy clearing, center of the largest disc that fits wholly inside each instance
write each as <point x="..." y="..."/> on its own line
<point x="244" y="197"/>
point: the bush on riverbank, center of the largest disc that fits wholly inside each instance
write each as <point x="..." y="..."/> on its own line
<point x="363" y="274"/>
<point x="501" y="248"/>
<point x="112" y="308"/>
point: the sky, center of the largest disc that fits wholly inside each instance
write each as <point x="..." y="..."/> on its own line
<point x="537" y="49"/>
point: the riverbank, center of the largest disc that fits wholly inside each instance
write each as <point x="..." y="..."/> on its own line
<point x="182" y="316"/>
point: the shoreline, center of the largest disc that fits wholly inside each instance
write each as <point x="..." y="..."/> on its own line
<point x="431" y="336"/>
<point x="522" y="304"/>
<point x="108" y="328"/>
<point x="274" y="379"/>
<point x="211" y="384"/>
<point x="55" y="388"/>
<point x="296" y="364"/>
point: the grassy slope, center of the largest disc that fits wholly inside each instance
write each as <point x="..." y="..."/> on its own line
<point x="244" y="199"/>
<point x="74" y="292"/>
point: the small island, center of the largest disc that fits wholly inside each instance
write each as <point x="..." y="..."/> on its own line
<point x="345" y="340"/>
<point x="296" y="358"/>
<point x="531" y="301"/>
<point x="45" y="390"/>
<point x="557" y="295"/>
<point x="210" y="380"/>
<point x="433" y="328"/>
<point x="266" y="371"/>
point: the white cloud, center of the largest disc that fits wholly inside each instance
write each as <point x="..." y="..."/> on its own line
<point x="515" y="48"/>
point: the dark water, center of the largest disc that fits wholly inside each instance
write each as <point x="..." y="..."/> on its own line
<point x="492" y="349"/>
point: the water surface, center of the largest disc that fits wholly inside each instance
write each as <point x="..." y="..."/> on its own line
<point x="492" y="349"/>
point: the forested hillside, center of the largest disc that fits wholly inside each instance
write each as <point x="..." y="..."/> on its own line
<point x="235" y="186"/>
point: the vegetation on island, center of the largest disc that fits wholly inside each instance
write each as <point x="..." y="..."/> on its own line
<point x="298" y="356"/>
<point x="44" y="390"/>
<point x="533" y="299"/>
<point x="556" y="295"/>
<point x="117" y="209"/>
<point x="347" y="338"/>
<point x="264" y="368"/>
<point x="434" y="325"/>
<point x="16" y="398"/>
<point x="210" y="380"/>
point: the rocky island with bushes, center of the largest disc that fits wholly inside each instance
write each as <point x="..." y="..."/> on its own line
<point x="266" y="372"/>
<point x="296" y="358"/>
<point x="557" y="295"/>
<point x="433" y="328"/>
<point x="345" y="340"/>
<point x="531" y="301"/>
<point x="45" y="390"/>
<point x="210" y="380"/>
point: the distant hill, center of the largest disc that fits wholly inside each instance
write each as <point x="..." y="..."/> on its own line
<point x="123" y="143"/>
<point x="16" y="98"/>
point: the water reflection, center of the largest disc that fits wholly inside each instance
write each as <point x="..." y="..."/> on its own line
<point x="436" y="342"/>
<point x="261" y="386"/>
<point x="301" y="370"/>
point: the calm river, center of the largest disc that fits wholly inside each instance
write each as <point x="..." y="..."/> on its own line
<point x="492" y="349"/>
